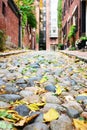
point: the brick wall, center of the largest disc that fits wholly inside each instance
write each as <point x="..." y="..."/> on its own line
<point x="9" y="22"/>
<point x="68" y="11"/>
<point x="29" y="39"/>
<point x="2" y="18"/>
<point x="26" y="38"/>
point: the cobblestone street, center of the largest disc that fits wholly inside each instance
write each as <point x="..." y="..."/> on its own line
<point x="36" y="82"/>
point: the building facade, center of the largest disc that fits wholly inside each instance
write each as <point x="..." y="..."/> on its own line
<point x="48" y="24"/>
<point x="51" y="25"/>
<point x="32" y="34"/>
<point x="37" y="13"/>
<point x="74" y="13"/>
<point x="10" y="22"/>
<point x="42" y="41"/>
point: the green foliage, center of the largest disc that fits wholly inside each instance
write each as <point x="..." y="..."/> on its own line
<point x="72" y="48"/>
<point x="83" y="38"/>
<point x="27" y="9"/>
<point x="72" y="31"/>
<point x="37" y="38"/>
<point x="60" y="46"/>
<point x="32" y="20"/>
<point x="2" y="40"/>
<point x="59" y="13"/>
<point x="5" y="114"/>
<point x="4" y="126"/>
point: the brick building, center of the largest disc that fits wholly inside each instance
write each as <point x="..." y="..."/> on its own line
<point x="10" y="21"/>
<point x="48" y="24"/>
<point x="74" y="13"/>
<point x="30" y="34"/>
<point x="51" y="24"/>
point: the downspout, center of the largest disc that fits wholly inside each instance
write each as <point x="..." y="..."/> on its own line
<point x="80" y="21"/>
<point x="20" y="33"/>
<point x="86" y="18"/>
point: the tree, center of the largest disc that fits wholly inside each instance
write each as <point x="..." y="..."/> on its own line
<point x="27" y="10"/>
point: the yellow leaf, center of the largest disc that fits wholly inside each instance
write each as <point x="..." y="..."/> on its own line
<point x="26" y="77"/>
<point x="33" y="107"/>
<point x="25" y="120"/>
<point x="9" y="120"/>
<point x="40" y="91"/>
<point x="80" y="124"/>
<point x="44" y="79"/>
<point x="52" y="114"/>
<point x="58" y="90"/>
<point x="12" y="111"/>
<point x="16" y="103"/>
<point x="17" y="117"/>
<point x="40" y="104"/>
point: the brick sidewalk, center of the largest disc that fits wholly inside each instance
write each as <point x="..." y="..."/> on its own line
<point x="78" y="54"/>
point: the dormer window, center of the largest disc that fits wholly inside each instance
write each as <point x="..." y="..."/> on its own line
<point x="3" y="8"/>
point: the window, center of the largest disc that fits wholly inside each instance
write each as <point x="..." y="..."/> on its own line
<point x="3" y="8"/>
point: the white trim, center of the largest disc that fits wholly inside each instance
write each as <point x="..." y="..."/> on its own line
<point x="74" y="9"/>
<point x="68" y="19"/>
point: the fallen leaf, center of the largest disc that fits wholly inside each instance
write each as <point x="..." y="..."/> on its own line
<point x="10" y="115"/>
<point x="9" y="120"/>
<point x="16" y="103"/>
<point x="33" y="107"/>
<point x="52" y="114"/>
<point x="5" y="126"/>
<point x="26" y="77"/>
<point x="40" y="104"/>
<point x="17" y="117"/>
<point x="3" y="113"/>
<point x="80" y="124"/>
<point x="25" y="120"/>
<point x="58" y="90"/>
<point x="40" y="91"/>
<point x="44" y="79"/>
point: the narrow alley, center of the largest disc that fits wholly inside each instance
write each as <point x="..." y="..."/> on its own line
<point x="43" y="90"/>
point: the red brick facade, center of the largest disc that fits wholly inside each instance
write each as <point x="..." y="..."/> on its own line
<point x="30" y="34"/>
<point x="71" y="16"/>
<point x="9" y="21"/>
<point x="26" y="38"/>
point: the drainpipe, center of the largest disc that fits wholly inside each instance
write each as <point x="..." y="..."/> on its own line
<point x="86" y="18"/>
<point x="20" y="33"/>
<point x="80" y="21"/>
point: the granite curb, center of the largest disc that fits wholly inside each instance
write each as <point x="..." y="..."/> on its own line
<point x="2" y="54"/>
<point x="81" y="55"/>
